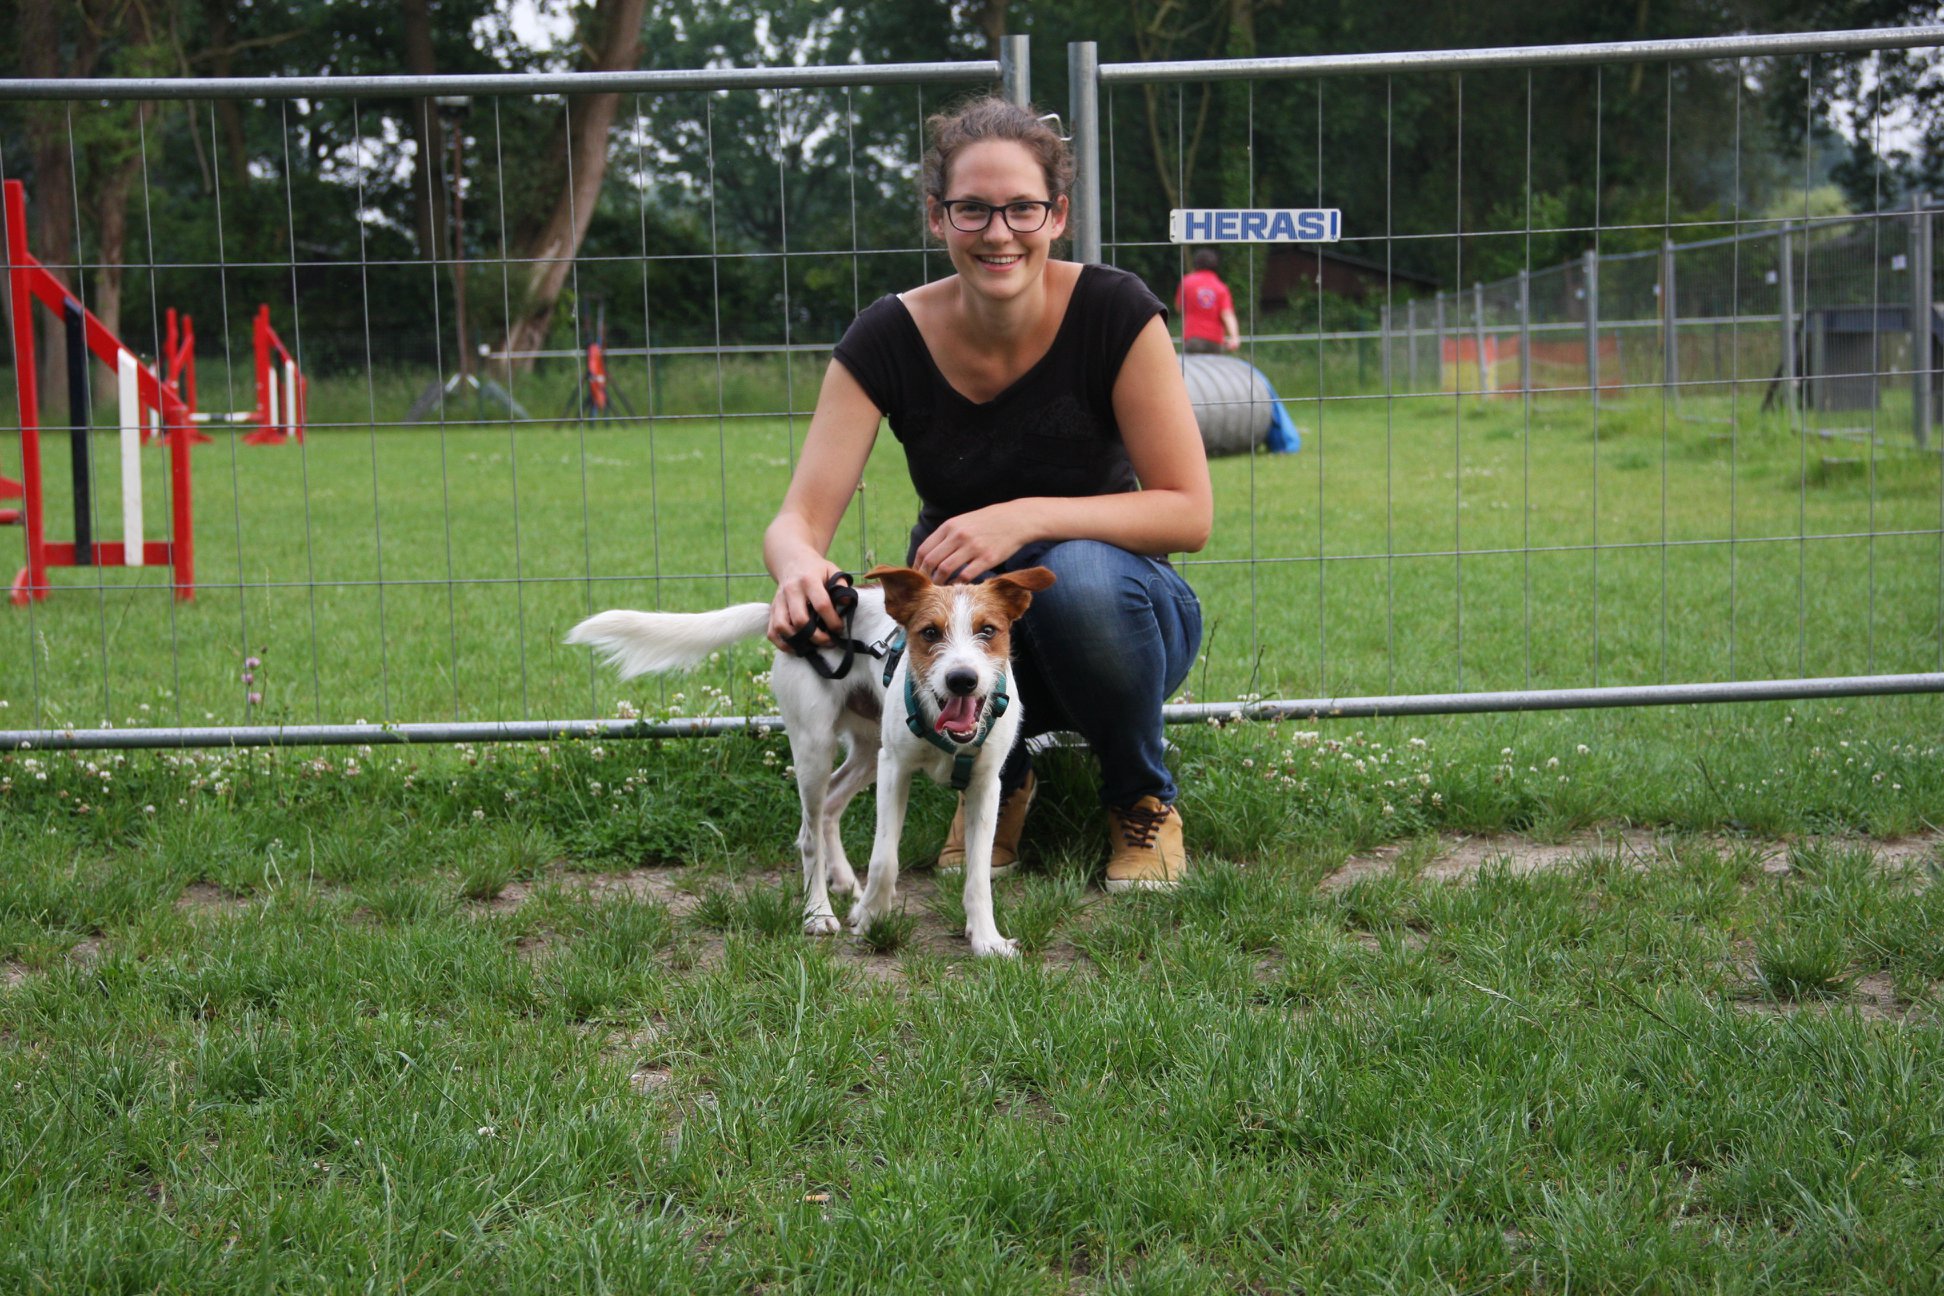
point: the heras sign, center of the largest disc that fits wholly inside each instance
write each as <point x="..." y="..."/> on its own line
<point x="1255" y="225"/>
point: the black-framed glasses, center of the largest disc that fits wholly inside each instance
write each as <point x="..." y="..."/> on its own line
<point x="969" y="216"/>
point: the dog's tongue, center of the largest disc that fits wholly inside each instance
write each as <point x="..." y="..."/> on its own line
<point x="959" y="715"/>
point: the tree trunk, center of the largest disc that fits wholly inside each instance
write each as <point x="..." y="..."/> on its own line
<point x="229" y="116"/>
<point x="428" y="171"/>
<point x="992" y="21"/>
<point x="50" y="219"/>
<point x="114" y="181"/>
<point x="616" y="46"/>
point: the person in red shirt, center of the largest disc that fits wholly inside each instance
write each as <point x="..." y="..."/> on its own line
<point x="1207" y="311"/>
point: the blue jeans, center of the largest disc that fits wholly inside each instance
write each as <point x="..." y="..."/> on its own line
<point x="1098" y="654"/>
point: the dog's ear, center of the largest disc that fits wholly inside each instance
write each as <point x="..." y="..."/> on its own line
<point x="1016" y="589"/>
<point x="902" y="588"/>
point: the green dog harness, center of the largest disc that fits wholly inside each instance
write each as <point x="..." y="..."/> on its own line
<point x="962" y="754"/>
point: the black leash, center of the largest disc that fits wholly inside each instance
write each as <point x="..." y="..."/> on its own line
<point x="843" y="597"/>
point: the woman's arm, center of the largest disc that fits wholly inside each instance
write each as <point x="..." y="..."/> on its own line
<point x="1171" y="513"/>
<point x="835" y="450"/>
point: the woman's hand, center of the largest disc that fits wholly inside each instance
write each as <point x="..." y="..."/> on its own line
<point x="801" y="599"/>
<point x="968" y="546"/>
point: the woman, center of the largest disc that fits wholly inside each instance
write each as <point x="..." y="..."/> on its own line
<point x="1042" y="412"/>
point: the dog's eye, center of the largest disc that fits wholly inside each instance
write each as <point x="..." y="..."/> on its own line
<point x="931" y="634"/>
<point x="987" y="631"/>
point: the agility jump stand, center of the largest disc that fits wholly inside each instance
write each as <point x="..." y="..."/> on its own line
<point x="282" y="391"/>
<point x="145" y="401"/>
<point x="598" y="398"/>
<point x="179" y="368"/>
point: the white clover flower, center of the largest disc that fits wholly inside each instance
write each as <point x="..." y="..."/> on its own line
<point x="148" y="809"/>
<point x="479" y="814"/>
<point x="1552" y="762"/>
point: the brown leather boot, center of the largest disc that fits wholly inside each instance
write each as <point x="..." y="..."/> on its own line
<point x="1147" y="850"/>
<point x="1005" y="837"/>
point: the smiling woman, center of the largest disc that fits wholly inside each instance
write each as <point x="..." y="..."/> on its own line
<point x="1043" y="417"/>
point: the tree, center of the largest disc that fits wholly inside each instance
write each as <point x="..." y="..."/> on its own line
<point x="611" y="39"/>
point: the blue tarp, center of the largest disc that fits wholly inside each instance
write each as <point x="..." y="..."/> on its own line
<point x="1283" y="436"/>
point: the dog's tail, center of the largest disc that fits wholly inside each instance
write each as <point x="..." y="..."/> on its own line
<point x="643" y="643"/>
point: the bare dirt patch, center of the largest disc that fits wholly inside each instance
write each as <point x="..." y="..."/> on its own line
<point x="207" y="897"/>
<point x="1460" y="858"/>
<point x="1872" y="997"/>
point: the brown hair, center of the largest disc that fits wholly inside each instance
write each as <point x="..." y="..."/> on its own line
<point x="993" y="118"/>
<point x="1206" y="259"/>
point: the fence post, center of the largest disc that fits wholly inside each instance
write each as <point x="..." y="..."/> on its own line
<point x="1016" y="69"/>
<point x="1083" y="81"/>
<point x="1785" y="260"/>
<point x="1384" y="332"/>
<point x="1670" y="323"/>
<point x="1485" y="383"/>
<point x="1922" y="382"/>
<point x="1438" y="329"/>
<point x="1815" y="390"/>
<point x="1525" y="331"/>
<point x="1590" y="273"/>
<point x="1410" y="345"/>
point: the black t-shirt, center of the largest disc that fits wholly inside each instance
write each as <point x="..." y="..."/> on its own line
<point x="1052" y="432"/>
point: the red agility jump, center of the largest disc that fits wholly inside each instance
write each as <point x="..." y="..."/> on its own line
<point x="282" y="391"/>
<point x="148" y="404"/>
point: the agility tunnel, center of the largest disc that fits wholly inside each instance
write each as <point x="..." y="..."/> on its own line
<point x="1236" y="407"/>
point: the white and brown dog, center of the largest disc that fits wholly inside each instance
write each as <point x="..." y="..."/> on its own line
<point x="941" y="704"/>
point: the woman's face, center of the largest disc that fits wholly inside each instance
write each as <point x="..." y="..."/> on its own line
<point x="997" y="261"/>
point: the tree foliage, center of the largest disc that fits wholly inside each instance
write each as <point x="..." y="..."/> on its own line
<point x="759" y="217"/>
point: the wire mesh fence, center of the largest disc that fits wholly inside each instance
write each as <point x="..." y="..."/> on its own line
<point x="1744" y="513"/>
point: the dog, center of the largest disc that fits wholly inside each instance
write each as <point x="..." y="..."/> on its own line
<point x="941" y="704"/>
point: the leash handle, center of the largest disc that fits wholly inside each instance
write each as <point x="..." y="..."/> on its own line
<point x="841" y="587"/>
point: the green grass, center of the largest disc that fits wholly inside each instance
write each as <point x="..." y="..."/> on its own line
<point x="538" y="1018"/>
<point x="1416" y="545"/>
<point x="432" y="1025"/>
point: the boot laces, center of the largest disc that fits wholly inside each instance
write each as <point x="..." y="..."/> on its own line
<point x="1140" y="825"/>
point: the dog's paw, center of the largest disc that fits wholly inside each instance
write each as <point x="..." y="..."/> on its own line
<point x="824" y="924"/>
<point x="843" y="880"/>
<point x="861" y="919"/>
<point x="994" y="946"/>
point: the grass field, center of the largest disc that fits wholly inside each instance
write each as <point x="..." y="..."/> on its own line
<point x="1641" y="1000"/>
<point x="536" y="1018"/>
<point x="1415" y="545"/>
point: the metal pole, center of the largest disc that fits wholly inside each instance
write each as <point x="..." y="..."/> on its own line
<point x="1384" y="327"/>
<point x="1485" y="383"/>
<point x="1590" y="263"/>
<point x="1410" y="345"/>
<point x="1525" y="331"/>
<point x="1083" y="88"/>
<point x="1016" y="69"/>
<point x="1438" y="328"/>
<point x="1921" y="312"/>
<point x="1670" y="323"/>
<point x="1785" y="261"/>
<point x="1816" y="395"/>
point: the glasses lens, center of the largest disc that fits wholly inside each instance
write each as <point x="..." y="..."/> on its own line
<point x="1025" y="217"/>
<point x="969" y="217"/>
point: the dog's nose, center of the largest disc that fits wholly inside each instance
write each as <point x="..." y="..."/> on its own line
<point x="961" y="682"/>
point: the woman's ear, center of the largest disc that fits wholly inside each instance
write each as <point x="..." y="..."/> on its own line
<point x="1059" y="222"/>
<point x="934" y="218"/>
